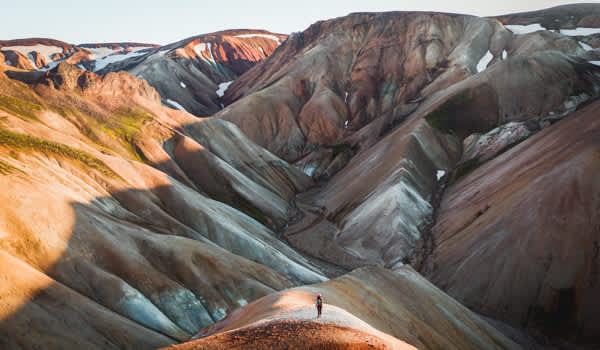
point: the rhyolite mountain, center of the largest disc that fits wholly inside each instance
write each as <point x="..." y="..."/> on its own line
<point x="466" y="147"/>
<point x="44" y="54"/>
<point x="193" y="74"/>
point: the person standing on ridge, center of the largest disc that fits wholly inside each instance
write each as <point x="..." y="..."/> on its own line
<point x="319" y="305"/>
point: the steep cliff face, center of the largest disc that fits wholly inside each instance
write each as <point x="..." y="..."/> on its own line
<point x="193" y="74"/>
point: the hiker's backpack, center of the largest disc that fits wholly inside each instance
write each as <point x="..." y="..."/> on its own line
<point x="319" y="302"/>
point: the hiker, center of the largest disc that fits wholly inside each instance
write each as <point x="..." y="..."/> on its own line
<point x="319" y="304"/>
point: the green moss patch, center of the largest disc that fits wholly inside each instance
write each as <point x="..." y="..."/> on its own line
<point x="23" y="142"/>
<point x="19" y="107"/>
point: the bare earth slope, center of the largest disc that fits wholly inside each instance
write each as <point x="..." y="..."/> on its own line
<point x="537" y="205"/>
<point x="142" y="241"/>
<point x="379" y="306"/>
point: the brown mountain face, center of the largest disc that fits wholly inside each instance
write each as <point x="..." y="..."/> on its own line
<point x="389" y="109"/>
<point x="467" y="147"/>
<point x="521" y="231"/>
<point x="193" y="74"/>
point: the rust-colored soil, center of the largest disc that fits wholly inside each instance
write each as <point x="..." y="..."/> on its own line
<point x="289" y="334"/>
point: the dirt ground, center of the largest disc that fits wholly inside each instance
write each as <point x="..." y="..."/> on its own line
<point x="291" y="335"/>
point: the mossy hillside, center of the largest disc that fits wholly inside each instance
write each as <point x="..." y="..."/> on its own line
<point x="19" y="107"/>
<point x="126" y="127"/>
<point x="23" y="143"/>
<point x="110" y="130"/>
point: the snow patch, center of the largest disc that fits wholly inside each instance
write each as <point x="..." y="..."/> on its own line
<point x="346" y="97"/>
<point x="182" y="84"/>
<point x="105" y="61"/>
<point x="484" y="61"/>
<point x="521" y="30"/>
<point x="262" y="50"/>
<point x="44" y="50"/>
<point x="176" y="105"/>
<point x="30" y="56"/>
<point x="223" y="87"/>
<point x="50" y="65"/>
<point x="8" y="62"/>
<point x="596" y="63"/>
<point x="98" y="52"/>
<point x="504" y="54"/>
<point x="440" y="174"/>
<point x="585" y="46"/>
<point x="345" y="124"/>
<point x="272" y="37"/>
<point x="580" y="31"/>
<point x="310" y="170"/>
<point x="242" y="302"/>
<point x="204" y="47"/>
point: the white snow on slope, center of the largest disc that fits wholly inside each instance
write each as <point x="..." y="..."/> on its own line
<point x="504" y="54"/>
<point x="272" y="37"/>
<point x="50" y="65"/>
<point x="440" y="174"/>
<point x="520" y="29"/>
<point x="101" y="51"/>
<point x="105" y="61"/>
<point x="30" y="56"/>
<point x="223" y="87"/>
<point x="176" y="105"/>
<point x="44" y="50"/>
<point x="580" y="31"/>
<point x="203" y="47"/>
<point x="484" y="61"/>
<point x="596" y="63"/>
<point x="182" y="84"/>
<point x="585" y="46"/>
